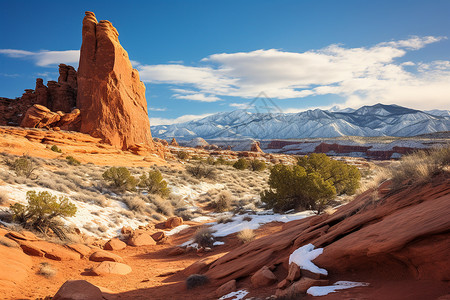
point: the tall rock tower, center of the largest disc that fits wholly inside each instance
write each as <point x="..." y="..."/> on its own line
<point x="111" y="96"/>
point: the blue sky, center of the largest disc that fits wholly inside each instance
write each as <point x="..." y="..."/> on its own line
<point x="202" y="57"/>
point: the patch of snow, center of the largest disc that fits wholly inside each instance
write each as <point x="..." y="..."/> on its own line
<point x="88" y="215"/>
<point x="201" y="219"/>
<point x="177" y="229"/>
<point x="239" y="224"/>
<point x="303" y="257"/>
<point x="238" y="295"/>
<point x="218" y="243"/>
<point x="340" y="285"/>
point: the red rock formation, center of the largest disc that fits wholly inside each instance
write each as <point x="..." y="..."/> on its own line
<point x="58" y="96"/>
<point x="38" y="116"/>
<point x="255" y="147"/>
<point x="403" y="234"/>
<point x="174" y="142"/>
<point x="110" y="95"/>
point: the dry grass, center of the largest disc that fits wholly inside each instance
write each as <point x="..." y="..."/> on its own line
<point x="419" y="167"/>
<point x="204" y="237"/>
<point x="378" y="176"/>
<point x="223" y="201"/>
<point x="46" y="270"/>
<point x="246" y="235"/>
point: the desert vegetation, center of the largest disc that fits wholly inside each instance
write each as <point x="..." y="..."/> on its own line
<point x="42" y="212"/>
<point x="310" y="184"/>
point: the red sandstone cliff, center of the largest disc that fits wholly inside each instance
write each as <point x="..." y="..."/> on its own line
<point x="111" y="96"/>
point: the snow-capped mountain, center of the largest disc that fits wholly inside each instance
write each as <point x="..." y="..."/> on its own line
<point x="376" y="120"/>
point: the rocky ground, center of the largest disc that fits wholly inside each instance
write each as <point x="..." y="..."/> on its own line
<point x="395" y="240"/>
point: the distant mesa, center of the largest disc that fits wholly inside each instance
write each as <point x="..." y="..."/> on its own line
<point x="104" y="99"/>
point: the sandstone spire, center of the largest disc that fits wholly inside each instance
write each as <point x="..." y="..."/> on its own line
<point x="111" y="96"/>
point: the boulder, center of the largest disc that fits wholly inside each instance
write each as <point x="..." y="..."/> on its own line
<point x="126" y="230"/>
<point x="101" y="255"/>
<point x="300" y="287"/>
<point x="174" y="142"/>
<point x="114" y="244"/>
<point x="110" y="267"/>
<point x="110" y="95"/>
<point x="173" y="222"/>
<point x="141" y="239"/>
<point x="263" y="277"/>
<point x="39" y="116"/>
<point x="78" y="290"/>
<point x="226" y="288"/>
<point x="159" y="236"/>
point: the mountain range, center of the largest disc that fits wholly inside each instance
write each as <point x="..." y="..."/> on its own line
<point x="376" y="120"/>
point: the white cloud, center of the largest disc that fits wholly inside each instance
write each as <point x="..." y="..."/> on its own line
<point x="239" y="105"/>
<point x="185" y="118"/>
<point x="197" y="97"/>
<point x="157" y="109"/>
<point x="364" y="75"/>
<point x="45" y="58"/>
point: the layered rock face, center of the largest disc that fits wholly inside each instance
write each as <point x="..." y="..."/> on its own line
<point x="111" y="96"/>
<point x="401" y="234"/>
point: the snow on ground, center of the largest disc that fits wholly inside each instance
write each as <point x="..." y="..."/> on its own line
<point x="88" y="215"/>
<point x="191" y="192"/>
<point x="304" y="256"/>
<point x="201" y="219"/>
<point x="238" y="295"/>
<point x="253" y="222"/>
<point x="340" y="285"/>
<point x="177" y="229"/>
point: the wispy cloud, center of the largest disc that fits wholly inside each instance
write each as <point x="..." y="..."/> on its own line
<point x="239" y="105"/>
<point x="364" y="75"/>
<point x="45" y="58"/>
<point x="10" y="75"/>
<point x="197" y="97"/>
<point x="185" y="118"/>
<point x="157" y="109"/>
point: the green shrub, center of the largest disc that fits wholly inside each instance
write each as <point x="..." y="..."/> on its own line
<point x="42" y="210"/>
<point x="23" y="166"/>
<point x="222" y="161"/>
<point x="241" y="164"/>
<point x="73" y="161"/>
<point x="55" y="148"/>
<point x="120" y="178"/>
<point x="182" y="155"/>
<point x="154" y="183"/>
<point x="344" y="177"/>
<point x="310" y="184"/>
<point x="257" y="165"/>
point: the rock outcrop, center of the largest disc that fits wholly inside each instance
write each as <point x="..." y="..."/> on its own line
<point x="111" y="96"/>
<point x="56" y="96"/>
<point x="401" y="234"/>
